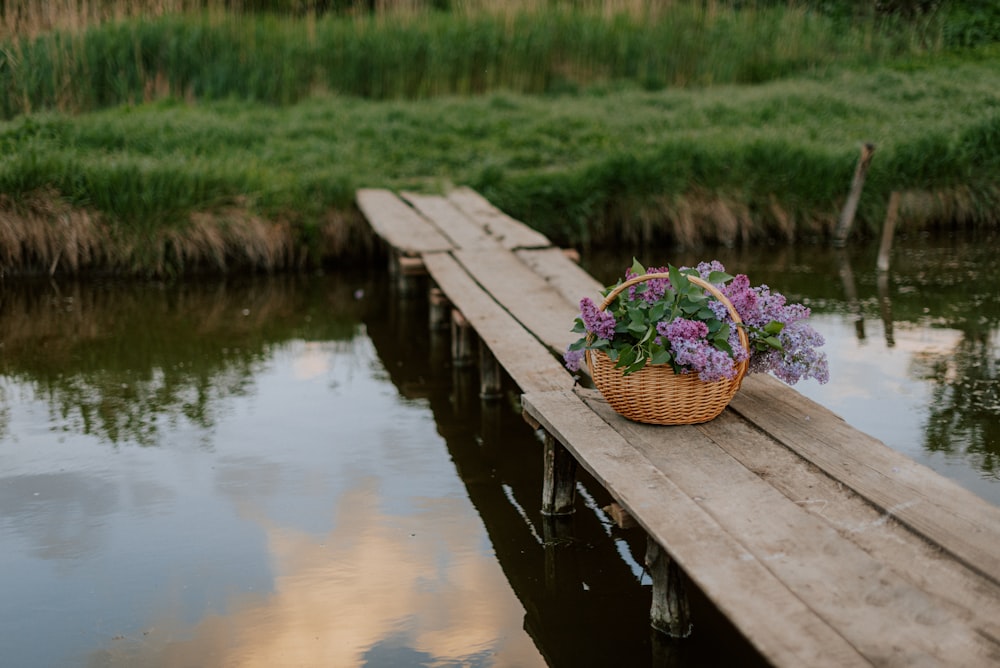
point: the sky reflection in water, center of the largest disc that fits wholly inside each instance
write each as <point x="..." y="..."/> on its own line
<point x="315" y="520"/>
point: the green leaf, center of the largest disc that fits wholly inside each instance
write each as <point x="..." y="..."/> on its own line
<point x="773" y="342"/>
<point x="774" y="327"/>
<point x="579" y="344"/>
<point x="637" y="268"/>
<point x="661" y="356"/>
<point x="657" y="312"/>
<point x="717" y="277"/>
<point x="578" y="327"/>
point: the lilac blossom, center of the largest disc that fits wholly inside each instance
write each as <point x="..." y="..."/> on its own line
<point x="573" y="359"/>
<point x="655" y="287"/>
<point x="599" y="323"/>
<point x="691" y="348"/>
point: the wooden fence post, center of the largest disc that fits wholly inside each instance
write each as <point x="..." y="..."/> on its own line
<point x="851" y="205"/>
<point x="669" y="612"/>
<point x="559" y="481"/>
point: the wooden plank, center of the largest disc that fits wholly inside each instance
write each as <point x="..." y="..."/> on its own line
<point x="853" y="517"/>
<point x="451" y="221"/>
<point x="888" y="619"/>
<point x="949" y="516"/>
<point x="567" y="277"/>
<point x="398" y="224"/>
<point x="527" y="361"/>
<point x="510" y="233"/>
<point x="525" y="294"/>
<point x="773" y="619"/>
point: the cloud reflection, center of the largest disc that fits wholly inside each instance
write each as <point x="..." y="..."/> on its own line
<point x="346" y="597"/>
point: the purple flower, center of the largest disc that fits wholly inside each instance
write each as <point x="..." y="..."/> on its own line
<point x="655" y="288"/>
<point x="573" y="359"/>
<point x="599" y="323"/>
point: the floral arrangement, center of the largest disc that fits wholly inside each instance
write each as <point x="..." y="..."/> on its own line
<point x="673" y="321"/>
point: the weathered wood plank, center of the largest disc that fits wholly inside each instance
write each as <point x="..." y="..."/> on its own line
<point x="398" y="224"/>
<point x="526" y="360"/>
<point x="525" y="294"/>
<point x="772" y="618"/>
<point x="916" y="559"/>
<point x="891" y="621"/>
<point x="567" y="277"/>
<point x="451" y="221"/>
<point x="957" y="520"/>
<point x="510" y="233"/>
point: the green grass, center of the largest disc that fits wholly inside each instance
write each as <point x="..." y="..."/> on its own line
<point x="181" y="142"/>
<point x="579" y="167"/>
<point x="281" y="60"/>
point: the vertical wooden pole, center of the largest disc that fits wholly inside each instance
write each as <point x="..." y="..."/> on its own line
<point x="559" y="481"/>
<point x="410" y="275"/>
<point x="888" y="229"/>
<point x="851" y="205"/>
<point x="463" y="340"/>
<point x="439" y="315"/>
<point x="490" y="374"/>
<point x="669" y="612"/>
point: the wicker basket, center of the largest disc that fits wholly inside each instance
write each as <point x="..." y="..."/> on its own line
<point x="657" y="395"/>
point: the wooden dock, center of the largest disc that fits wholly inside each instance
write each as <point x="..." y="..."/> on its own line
<point x="823" y="546"/>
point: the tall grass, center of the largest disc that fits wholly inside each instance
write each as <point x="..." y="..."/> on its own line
<point x="173" y="185"/>
<point x="281" y="60"/>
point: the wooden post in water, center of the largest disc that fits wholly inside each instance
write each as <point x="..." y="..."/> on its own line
<point x="490" y="374"/>
<point x="440" y="309"/>
<point x="559" y="481"/>
<point x="410" y="274"/>
<point x="463" y="340"/>
<point x="851" y="205"/>
<point x="888" y="229"/>
<point x="669" y="612"/>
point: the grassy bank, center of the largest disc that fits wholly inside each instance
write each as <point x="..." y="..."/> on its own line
<point x="182" y="164"/>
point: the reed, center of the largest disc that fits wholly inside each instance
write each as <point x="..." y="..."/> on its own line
<point x="281" y="59"/>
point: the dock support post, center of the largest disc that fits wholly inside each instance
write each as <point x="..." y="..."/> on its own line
<point x="410" y="274"/>
<point x="440" y="309"/>
<point x="559" y="483"/>
<point x="463" y="340"/>
<point x="490" y="374"/>
<point x="669" y="612"/>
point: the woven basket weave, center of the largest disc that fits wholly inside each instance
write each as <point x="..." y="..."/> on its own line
<point x="657" y="395"/>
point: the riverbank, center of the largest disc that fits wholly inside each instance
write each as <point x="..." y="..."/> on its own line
<point x="171" y="182"/>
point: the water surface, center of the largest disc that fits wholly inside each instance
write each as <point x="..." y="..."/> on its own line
<point x="287" y="471"/>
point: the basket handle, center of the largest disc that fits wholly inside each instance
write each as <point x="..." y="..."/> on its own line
<point x="697" y="280"/>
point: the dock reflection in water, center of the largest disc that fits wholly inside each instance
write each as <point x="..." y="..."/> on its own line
<point x="287" y="471"/>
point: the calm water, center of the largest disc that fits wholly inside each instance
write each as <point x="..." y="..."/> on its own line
<point x="287" y="471"/>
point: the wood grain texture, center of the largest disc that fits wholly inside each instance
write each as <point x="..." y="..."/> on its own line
<point x="525" y="294"/>
<point x="451" y="221"/>
<point x="510" y="233"/>
<point x="949" y="516"/>
<point x="398" y="224"/>
<point x="774" y="620"/>
<point x="888" y="618"/>
<point x="527" y="361"/>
